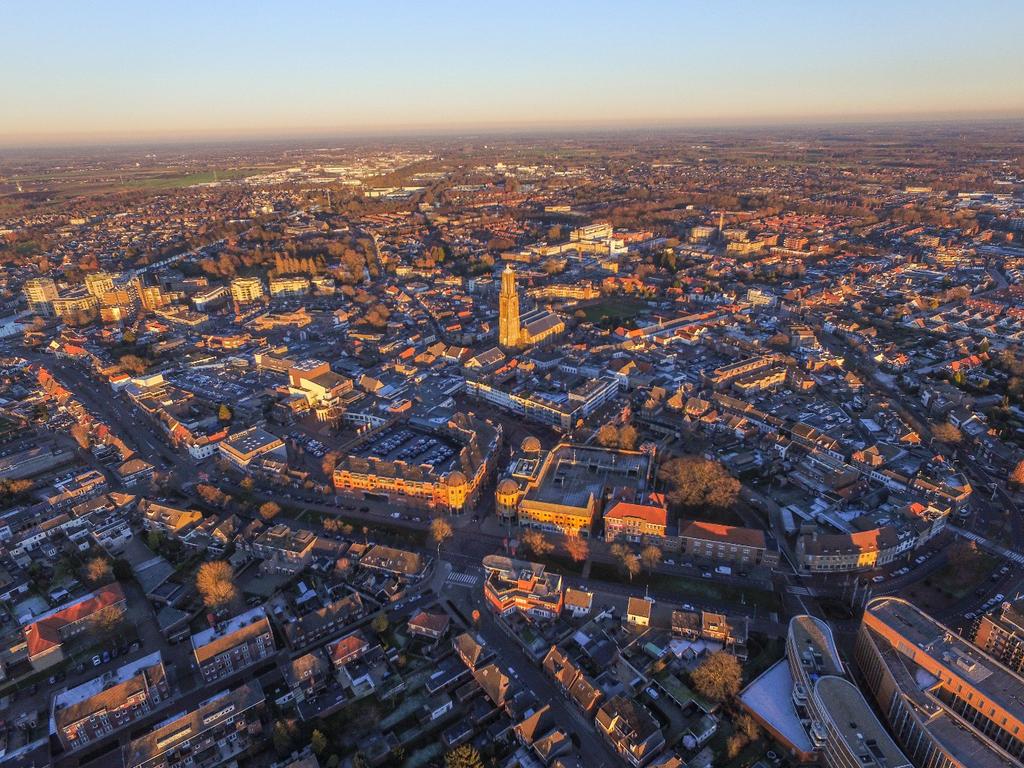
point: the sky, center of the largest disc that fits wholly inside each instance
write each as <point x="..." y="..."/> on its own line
<point x="135" y="70"/>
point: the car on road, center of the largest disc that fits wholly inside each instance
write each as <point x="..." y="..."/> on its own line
<point x="688" y="607"/>
<point x="878" y="579"/>
<point x="649" y="690"/>
<point x="96" y="661"/>
<point x="106" y="656"/>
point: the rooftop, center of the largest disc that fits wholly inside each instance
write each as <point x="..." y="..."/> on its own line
<point x="855" y="721"/>
<point x="572" y="475"/>
<point x="962" y="659"/>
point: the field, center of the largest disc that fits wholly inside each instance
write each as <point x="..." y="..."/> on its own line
<point x="189" y="179"/>
<point x="615" y="309"/>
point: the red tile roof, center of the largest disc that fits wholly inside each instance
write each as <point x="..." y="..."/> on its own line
<point x="44" y="634"/>
<point x="647" y="512"/>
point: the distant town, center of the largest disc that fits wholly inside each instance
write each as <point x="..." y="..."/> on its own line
<point x="670" y="449"/>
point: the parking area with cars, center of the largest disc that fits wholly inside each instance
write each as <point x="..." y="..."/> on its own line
<point x="411" y="446"/>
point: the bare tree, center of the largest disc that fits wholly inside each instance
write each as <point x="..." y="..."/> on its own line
<point x="107" y="621"/>
<point x="537" y="543"/>
<point x="698" y="483"/>
<point x="578" y="549"/>
<point x="946" y="433"/>
<point x="650" y="556"/>
<point x="215" y="582"/>
<point x="99" y="571"/>
<point x="269" y="510"/>
<point x="718" y="677"/>
<point x="1017" y="475"/>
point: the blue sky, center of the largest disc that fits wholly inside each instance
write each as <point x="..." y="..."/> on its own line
<point x="103" y="69"/>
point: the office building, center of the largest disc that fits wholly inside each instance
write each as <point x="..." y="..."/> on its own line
<point x="948" y="703"/>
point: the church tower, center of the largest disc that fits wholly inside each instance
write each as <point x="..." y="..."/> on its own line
<point x="508" y="310"/>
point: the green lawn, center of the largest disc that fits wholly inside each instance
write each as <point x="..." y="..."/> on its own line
<point x="961" y="580"/>
<point x="683" y="588"/>
<point x="615" y="308"/>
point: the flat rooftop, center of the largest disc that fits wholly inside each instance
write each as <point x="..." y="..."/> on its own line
<point x="964" y="660"/>
<point x="956" y="738"/>
<point x="816" y="646"/>
<point x="770" y="697"/>
<point x="572" y="474"/>
<point x="857" y="724"/>
<point x="251" y="440"/>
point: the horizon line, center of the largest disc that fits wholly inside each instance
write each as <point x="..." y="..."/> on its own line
<point x="201" y="137"/>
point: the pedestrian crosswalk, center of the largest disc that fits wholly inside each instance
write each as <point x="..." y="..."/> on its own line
<point x="463" y="579"/>
<point x="794" y="589"/>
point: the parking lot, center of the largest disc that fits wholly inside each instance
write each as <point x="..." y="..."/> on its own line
<point x="410" y="446"/>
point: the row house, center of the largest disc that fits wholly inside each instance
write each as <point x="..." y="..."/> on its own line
<point x="93" y="710"/>
<point x="233" y="645"/>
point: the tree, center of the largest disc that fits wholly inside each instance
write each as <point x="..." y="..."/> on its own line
<point x="465" y="756"/>
<point x="608" y="436"/>
<point x="282" y="739"/>
<point x="629" y="563"/>
<point x="946" y="433"/>
<point x="329" y="462"/>
<point x="697" y="483"/>
<point x="215" y="497"/>
<point x="719" y="677"/>
<point x="318" y="742"/>
<point x="1017" y="476"/>
<point x="628" y="437"/>
<point x="380" y="623"/>
<point x="80" y="433"/>
<point x="12" y="491"/>
<point x="215" y="582"/>
<point x="224" y="412"/>
<point x="962" y="553"/>
<point x="748" y="726"/>
<point x="650" y="556"/>
<point x="746" y="731"/>
<point x="269" y="510"/>
<point x="98" y="571"/>
<point x="133" y="364"/>
<point x="578" y="549"/>
<point x="440" y="531"/>
<point x="107" y="621"/>
<point x="537" y="543"/>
